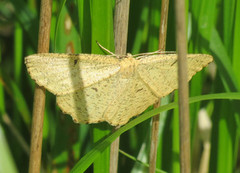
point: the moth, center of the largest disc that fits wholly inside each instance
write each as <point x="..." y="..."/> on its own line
<point x="95" y="88"/>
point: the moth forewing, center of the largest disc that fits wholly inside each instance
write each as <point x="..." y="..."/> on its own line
<point x="66" y="73"/>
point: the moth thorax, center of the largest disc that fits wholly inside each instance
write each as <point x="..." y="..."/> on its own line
<point x="128" y="66"/>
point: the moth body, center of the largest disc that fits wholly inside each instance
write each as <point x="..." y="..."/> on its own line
<point x="128" y="66"/>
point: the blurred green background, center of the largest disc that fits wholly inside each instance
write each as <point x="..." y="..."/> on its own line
<point x="213" y="28"/>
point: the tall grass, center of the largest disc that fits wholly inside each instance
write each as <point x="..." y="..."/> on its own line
<point x="213" y="28"/>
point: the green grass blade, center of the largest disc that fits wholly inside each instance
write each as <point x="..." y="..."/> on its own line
<point x="205" y="18"/>
<point x="2" y="100"/>
<point x="67" y="38"/>
<point x="102" y="31"/>
<point x="228" y="23"/>
<point x="236" y="67"/>
<point x="154" y="23"/>
<point x="138" y="26"/>
<point x="225" y="141"/>
<point x="6" y="160"/>
<point x="13" y="90"/>
<point x="236" y="44"/>
<point x="138" y="161"/>
<point x="102" y="25"/>
<point x="84" y="15"/>
<point x="175" y="167"/>
<point x="59" y="16"/>
<point x="20" y="102"/>
<point x="223" y="62"/>
<point x="18" y="48"/>
<point x="27" y="19"/>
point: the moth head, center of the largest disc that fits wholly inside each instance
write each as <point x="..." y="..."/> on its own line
<point x="128" y="66"/>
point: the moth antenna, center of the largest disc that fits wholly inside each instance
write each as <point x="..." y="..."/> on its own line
<point x="152" y="53"/>
<point x="105" y="49"/>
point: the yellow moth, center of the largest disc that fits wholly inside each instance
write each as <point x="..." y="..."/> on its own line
<point x="94" y="88"/>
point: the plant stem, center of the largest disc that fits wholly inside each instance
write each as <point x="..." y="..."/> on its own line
<point x="120" y="34"/>
<point x="39" y="94"/>
<point x="155" y="120"/>
<point x="185" y="165"/>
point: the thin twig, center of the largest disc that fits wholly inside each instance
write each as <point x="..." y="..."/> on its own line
<point x="155" y="120"/>
<point x="39" y="94"/>
<point x="185" y="165"/>
<point x="120" y="34"/>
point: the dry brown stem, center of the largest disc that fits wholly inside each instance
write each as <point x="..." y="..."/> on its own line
<point x="185" y="164"/>
<point x="120" y="33"/>
<point x="39" y="94"/>
<point x="155" y="120"/>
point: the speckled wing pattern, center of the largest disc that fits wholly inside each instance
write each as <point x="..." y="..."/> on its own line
<point x="95" y="88"/>
<point x="114" y="100"/>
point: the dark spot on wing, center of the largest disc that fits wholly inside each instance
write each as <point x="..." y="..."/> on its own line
<point x="140" y="89"/>
<point x="174" y="63"/>
<point x="95" y="89"/>
<point x="75" y="61"/>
